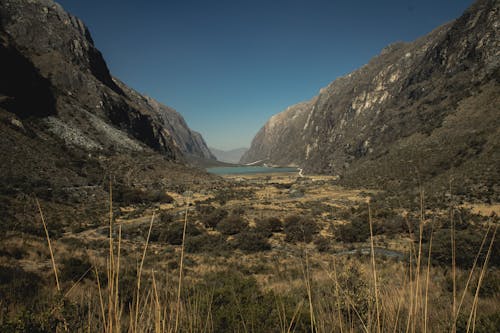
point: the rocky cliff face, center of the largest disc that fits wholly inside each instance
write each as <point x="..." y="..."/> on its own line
<point x="232" y="156"/>
<point x="429" y="107"/>
<point x="276" y="143"/>
<point x="83" y="104"/>
<point x="189" y="142"/>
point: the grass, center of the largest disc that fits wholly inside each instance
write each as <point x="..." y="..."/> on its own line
<point x="291" y="288"/>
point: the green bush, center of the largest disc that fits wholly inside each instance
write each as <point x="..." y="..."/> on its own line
<point x="269" y="225"/>
<point x="299" y="229"/>
<point x="172" y="234"/>
<point x="18" y="286"/>
<point x="130" y="196"/>
<point x="251" y="241"/>
<point x="357" y="230"/>
<point x="205" y="243"/>
<point x="232" y="225"/>
<point x="322" y="244"/>
<point x="212" y="219"/>
<point x="238" y="304"/>
<point x="467" y="243"/>
<point x="165" y="217"/>
<point x="73" y="268"/>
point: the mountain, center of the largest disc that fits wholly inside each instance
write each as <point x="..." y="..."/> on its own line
<point x="59" y="49"/>
<point x="67" y="126"/>
<point x="189" y="142"/>
<point x="425" y="110"/>
<point x="229" y="156"/>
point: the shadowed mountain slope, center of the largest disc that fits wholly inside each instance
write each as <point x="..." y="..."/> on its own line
<point x="67" y="126"/>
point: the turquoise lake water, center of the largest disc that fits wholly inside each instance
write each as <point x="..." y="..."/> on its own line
<point x="247" y="170"/>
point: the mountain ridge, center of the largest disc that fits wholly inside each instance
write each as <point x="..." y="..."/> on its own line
<point x="68" y="127"/>
<point x="228" y="156"/>
<point x="60" y="47"/>
<point x="372" y="126"/>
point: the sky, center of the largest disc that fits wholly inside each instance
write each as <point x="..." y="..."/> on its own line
<point x="229" y="65"/>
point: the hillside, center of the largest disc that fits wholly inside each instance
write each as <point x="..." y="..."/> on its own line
<point x="58" y="100"/>
<point x="423" y="110"/>
<point x="228" y="156"/>
<point x="68" y="127"/>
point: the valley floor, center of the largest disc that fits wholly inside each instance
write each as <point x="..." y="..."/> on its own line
<point x="261" y="253"/>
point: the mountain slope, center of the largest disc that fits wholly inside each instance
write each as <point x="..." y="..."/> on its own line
<point x="426" y="109"/>
<point x="229" y="156"/>
<point x="61" y="50"/>
<point x="67" y="127"/>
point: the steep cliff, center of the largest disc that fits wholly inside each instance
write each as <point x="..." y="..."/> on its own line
<point x="426" y="109"/>
<point x="276" y="143"/>
<point x="60" y="50"/>
<point x="67" y="126"/>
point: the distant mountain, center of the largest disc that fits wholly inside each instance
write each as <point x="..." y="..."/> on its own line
<point x="65" y="122"/>
<point x="228" y="156"/>
<point x="424" y="111"/>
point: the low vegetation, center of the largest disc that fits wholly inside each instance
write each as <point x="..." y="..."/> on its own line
<point x="265" y="261"/>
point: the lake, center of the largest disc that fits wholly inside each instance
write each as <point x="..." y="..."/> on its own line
<point x="242" y="170"/>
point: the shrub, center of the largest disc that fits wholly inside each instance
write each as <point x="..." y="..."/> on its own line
<point x="467" y="243"/>
<point x="212" y="219"/>
<point x="172" y="234"/>
<point x="205" y="243"/>
<point x="269" y="225"/>
<point x="74" y="268"/>
<point x="165" y="217"/>
<point x="232" y="225"/>
<point x="322" y="244"/>
<point x="204" y="209"/>
<point x="238" y="303"/>
<point x="299" y="229"/>
<point x="357" y="230"/>
<point x="17" y="285"/>
<point x="130" y="196"/>
<point x="249" y="241"/>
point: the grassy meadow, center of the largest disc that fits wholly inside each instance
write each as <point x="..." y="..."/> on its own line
<point x="257" y="253"/>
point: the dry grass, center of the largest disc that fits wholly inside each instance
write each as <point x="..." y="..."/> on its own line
<point x="341" y="293"/>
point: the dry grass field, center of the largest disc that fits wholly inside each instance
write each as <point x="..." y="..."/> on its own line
<point x="261" y="253"/>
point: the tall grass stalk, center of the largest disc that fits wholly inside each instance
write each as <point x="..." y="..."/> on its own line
<point x="417" y="306"/>
<point x="374" y="269"/>
<point x="307" y="278"/>
<point x="427" y="279"/>
<point x="469" y="279"/>
<point x="139" y="274"/>
<point x="337" y="296"/>
<point x="101" y="301"/>
<point x="453" y="263"/>
<point x="181" y="265"/>
<point x="472" y="316"/>
<point x="49" y="244"/>
<point x="295" y="317"/>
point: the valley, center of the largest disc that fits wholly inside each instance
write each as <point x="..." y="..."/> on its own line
<point x="279" y="241"/>
<point x="372" y="207"/>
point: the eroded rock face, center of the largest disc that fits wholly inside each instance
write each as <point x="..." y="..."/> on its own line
<point x="50" y="60"/>
<point x="276" y="142"/>
<point x="416" y="106"/>
<point x="186" y="140"/>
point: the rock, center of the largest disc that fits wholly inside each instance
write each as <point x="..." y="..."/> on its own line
<point x="50" y="66"/>
<point x="429" y="106"/>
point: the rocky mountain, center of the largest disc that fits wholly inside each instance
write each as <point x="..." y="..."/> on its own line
<point x="67" y="126"/>
<point x="229" y="156"/>
<point x="189" y="142"/>
<point x="60" y="51"/>
<point x="425" y="110"/>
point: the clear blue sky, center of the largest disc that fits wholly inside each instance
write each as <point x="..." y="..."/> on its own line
<point x="227" y="66"/>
